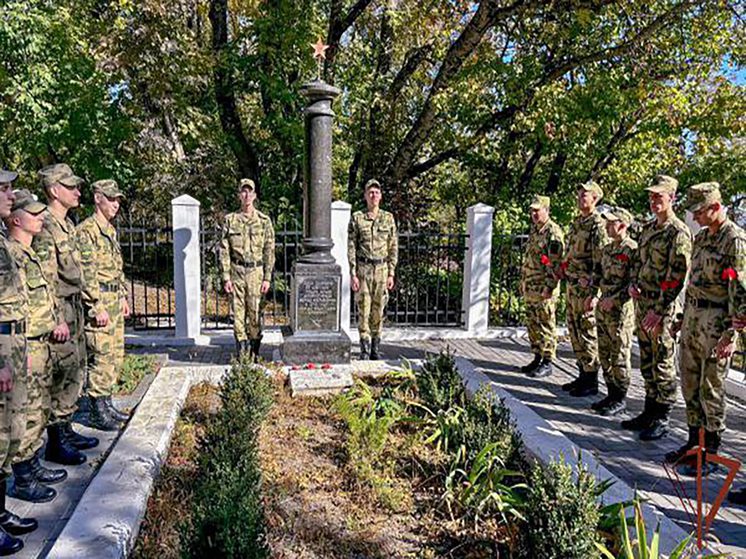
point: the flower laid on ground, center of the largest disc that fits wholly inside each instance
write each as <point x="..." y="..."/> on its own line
<point x="326" y="366"/>
<point x="310" y="365"/>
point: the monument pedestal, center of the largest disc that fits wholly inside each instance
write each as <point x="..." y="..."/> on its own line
<point x="314" y="334"/>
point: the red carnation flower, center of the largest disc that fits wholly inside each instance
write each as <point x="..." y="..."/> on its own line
<point x="326" y="366"/>
<point x="673" y="284"/>
<point x="310" y="366"/>
<point x="622" y="257"/>
<point x="564" y="265"/>
<point x="545" y="260"/>
<point x="729" y="274"/>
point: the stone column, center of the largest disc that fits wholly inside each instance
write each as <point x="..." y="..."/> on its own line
<point x="187" y="268"/>
<point x="341" y="212"/>
<point x="315" y="333"/>
<point x="477" y="261"/>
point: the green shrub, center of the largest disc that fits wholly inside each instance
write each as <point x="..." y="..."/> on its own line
<point x="228" y="518"/>
<point x="561" y="513"/>
<point x="439" y="383"/>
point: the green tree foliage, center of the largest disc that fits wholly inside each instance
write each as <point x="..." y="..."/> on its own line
<point x="448" y="103"/>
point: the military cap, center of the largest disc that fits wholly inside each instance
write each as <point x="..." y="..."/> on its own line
<point x="539" y="202"/>
<point x="7" y="176"/>
<point x="702" y="195"/>
<point x="617" y="214"/>
<point x="27" y="202"/>
<point x="108" y="188"/>
<point x="59" y="173"/>
<point x="662" y="184"/>
<point x="592" y="186"/>
<point x="246" y="183"/>
<point x="372" y="183"/>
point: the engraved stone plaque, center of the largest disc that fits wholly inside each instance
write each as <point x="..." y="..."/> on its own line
<point x="317" y="303"/>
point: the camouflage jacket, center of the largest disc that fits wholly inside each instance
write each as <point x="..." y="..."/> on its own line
<point x="57" y="248"/>
<point x="13" y="294"/>
<point x="582" y="260"/>
<point x="247" y="240"/>
<point x="719" y="268"/>
<point x="662" y="261"/>
<point x="541" y="260"/>
<point x="373" y="238"/>
<point x="42" y="315"/>
<point x="100" y="262"/>
<point x="617" y="261"/>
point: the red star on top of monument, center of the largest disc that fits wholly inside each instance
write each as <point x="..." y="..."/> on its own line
<point x="319" y="50"/>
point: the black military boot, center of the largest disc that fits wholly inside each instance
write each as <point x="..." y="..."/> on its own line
<point x="375" y="344"/>
<point x="25" y="486"/>
<point x="738" y="496"/>
<point x="615" y="405"/>
<point x="76" y="440"/>
<point x="9" y="544"/>
<point x="576" y="382"/>
<point x="643" y="420"/>
<point x="100" y="418"/>
<point x="12" y="523"/>
<point x="364" y="350"/>
<point x="693" y="440"/>
<point x="712" y="444"/>
<point x="239" y="349"/>
<point x="114" y="412"/>
<point x="545" y="369"/>
<point x="254" y="349"/>
<point x="588" y="385"/>
<point x="59" y="450"/>
<point x="47" y="476"/>
<point x="602" y="403"/>
<point x="525" y="369"/>
<point x="658" y="427"/>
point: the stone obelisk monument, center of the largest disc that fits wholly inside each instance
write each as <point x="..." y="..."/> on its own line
<point x="314" y="334"/>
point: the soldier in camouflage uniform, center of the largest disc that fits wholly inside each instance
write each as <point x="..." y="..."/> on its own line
<point x="247" y="259"/>
<point x="615" y="312"/>
<point x="714" y="312"/>
<point x="540" y="287"/>
<point x="57" y="249"/>
<point x="582" y="270"/>
<point x="373" y="251"/>
<point x="660" y="271"/>
<point x="105" y="303"/>
<point x="13" y="371"/>
<point x="24" y="222"/>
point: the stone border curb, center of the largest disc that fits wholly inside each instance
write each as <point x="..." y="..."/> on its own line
<point x="107" y="519"/>
<point x="545" y="444"/>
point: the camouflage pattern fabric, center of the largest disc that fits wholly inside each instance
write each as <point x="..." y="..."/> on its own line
<point x="543" y="256"/>
<point x="57" y="248"/>
<point x="582" y="269"/>
<point x="247" y="258"/>
<point x="13" y="308"/>
<point x="373" y="253"/>
<point x="718" y="280"/>
<point x="615" y="327"/>
<point x="103" y="279"/>
<point x="659" y="273"/>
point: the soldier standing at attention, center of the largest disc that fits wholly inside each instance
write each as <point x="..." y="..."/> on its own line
<point x="13" y="372"/>
<point x="25" y="221"/>
<point x="57" y="249"/>
<point x="540" y="287"/>
<point x="373" y="251"/>
<point x="615" y="312"/>
<point x="665" y="247"/>
<point x="105" y="303"/>
<point x="582" y="270"/>
<point x="247" y="259"/>
<point x="714" y="312"/>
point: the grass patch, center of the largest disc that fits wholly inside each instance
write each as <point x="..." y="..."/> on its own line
<point x="134" y="368"/>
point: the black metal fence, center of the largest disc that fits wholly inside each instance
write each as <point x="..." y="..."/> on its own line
<point x="427" y="291"/>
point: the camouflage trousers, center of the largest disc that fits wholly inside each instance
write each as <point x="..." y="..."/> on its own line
<point x="13" y="403"/>
<point x="541" y="324"/>
<point x="39" y="401"/>
<point x="615" y="330"/>
<point x="702" y="373"/>
<point x="371" y="299"/>
<point x="68" y="363"/>
<point x="581" y="326"/>
<point x="657" y="355"/>
<point x="105" y="348"/>
<point x="247" y="304"/>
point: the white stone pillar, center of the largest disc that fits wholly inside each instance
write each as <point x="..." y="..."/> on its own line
<point x="341" y="212"/>
<point x="476" y="290"/>
<point x="187" y="269"/>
